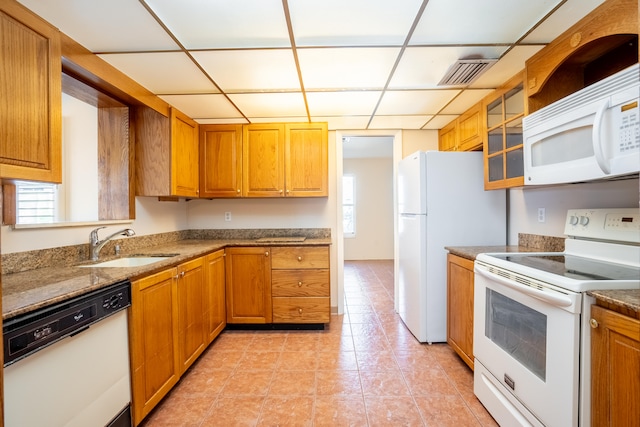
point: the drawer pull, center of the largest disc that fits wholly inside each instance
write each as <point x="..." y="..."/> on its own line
<point x="299" y="310"/>
<point x="300" y="284"/>
<point x="299" y="258"/>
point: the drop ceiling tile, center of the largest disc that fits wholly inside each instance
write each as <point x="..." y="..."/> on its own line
<point x="105" y="26"/>
<point x="343" y="122"/>
<point x="398" y="122"/>
<point x="162" y="72"/>
<point x="424" y="67"/>
<point x="352" y="23"/>
<point x="415" y="102"/>
<point x="250" y="70"/>
<point x="270" y="105"/>
<point x="568" y="14"/>
<point x="342" y="103"/>
<point x="440" y="121"/>
<point x="222" y="121"/>
<point x="203" y="106"/>
<point x="343" y="68"/>
<point x="280" y="119"/>
<point x="465" y="100"/>
<point x="224" y="24"/>
<point x="488" y="21"/>
<point x="507" y="67"/>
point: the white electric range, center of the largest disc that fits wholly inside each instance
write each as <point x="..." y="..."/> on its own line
<point x="531" y="325"/>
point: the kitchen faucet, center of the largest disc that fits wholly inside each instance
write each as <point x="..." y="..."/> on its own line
<point x="96" y="244"/>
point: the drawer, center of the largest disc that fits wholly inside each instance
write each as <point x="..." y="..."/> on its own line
<point x="289" y="257"/>
<point x="301" y="310"/>
<point x="300" y="283"/>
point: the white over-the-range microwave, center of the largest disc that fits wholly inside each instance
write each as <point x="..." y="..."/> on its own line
<point x="592" y="134"/>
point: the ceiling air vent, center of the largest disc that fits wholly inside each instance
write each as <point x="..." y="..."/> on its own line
<point x="465" y="71"/>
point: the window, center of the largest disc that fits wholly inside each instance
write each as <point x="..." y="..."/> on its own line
<point x="36" y="202"/>
<point x="349" y="205"/>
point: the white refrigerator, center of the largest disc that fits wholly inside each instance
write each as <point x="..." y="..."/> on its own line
<point x="441" y="202"/>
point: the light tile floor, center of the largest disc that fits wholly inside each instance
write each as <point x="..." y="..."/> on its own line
<point x="364" y="369"/>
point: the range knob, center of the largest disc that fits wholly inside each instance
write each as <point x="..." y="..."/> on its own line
<point x="573" y="220"/>
<point x="584" y="220"/>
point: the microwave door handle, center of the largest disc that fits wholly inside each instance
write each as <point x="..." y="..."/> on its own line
<point x="597" y="140"/>
<point x="557" y="300"/>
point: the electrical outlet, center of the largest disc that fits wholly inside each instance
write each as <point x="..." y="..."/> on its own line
<point x="541" y="215"/>
<point x="227" y="216"/>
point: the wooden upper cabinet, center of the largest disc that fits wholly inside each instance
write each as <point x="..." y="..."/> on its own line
<point x="167" y="154"/>
<point x="30" y="83"/>
<point x="263" y="160"/>
<point x="185" y="147"/>
<point x="220" y="161"/>
<point x="306" y="160"/>
<point x="464" y="133"/>
<point x="599" y="45"/>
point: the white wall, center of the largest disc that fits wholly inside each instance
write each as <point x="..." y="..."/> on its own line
<point x="374" y="209"/>
<point x="524" y="204"/>
<point x="418" y="140"/>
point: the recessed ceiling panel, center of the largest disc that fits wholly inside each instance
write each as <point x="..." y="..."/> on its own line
<point x="424" y="67"/>
<point x="223" y="121"/>
<point x="104" y="26"/>
<point x="568" y="14"/>
<point x="251" y="70"/>
<point x="270" y="104"/>
<point x="200" y="24"/>
<point x="478" y="22"/>
<point x="510" y="64"/>
<point x="352" y="23"/>
<point x="203" y="106"/>
<point x="465" y="100"/>
<point x="439" y="121"/>
<point x="398" y="122"/>
<point x="343" y="68"/>
<point x="342" y="103"/>
<point x="162" y="72"/>
<point x="415" y="102"/>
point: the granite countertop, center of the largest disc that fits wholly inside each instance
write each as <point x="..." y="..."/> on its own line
<point x="471" y="252"/>
<point x="26" y="291"/>
<point x="626" y="299"/>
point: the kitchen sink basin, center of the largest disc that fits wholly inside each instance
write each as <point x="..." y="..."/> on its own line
<point x="132" y="261"/>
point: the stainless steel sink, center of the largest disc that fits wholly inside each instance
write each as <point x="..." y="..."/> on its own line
<point x="132" y="261"/>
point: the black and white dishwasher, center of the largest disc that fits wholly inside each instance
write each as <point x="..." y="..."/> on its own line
<point x="68" y="364"/>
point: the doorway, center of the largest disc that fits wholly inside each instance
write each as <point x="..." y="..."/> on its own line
<point x="348" y="144"/>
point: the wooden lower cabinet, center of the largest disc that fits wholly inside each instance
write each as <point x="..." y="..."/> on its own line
<point x="248" y="285"/>
<point x="300" y="284"/>
<point x="174" y="315"/>
<point x="153" y="331"/>
<point x="215" y="308"/>
<point x="460" y="306"/>
<point x="191" y="303"/>
<point x="615" y="368"/>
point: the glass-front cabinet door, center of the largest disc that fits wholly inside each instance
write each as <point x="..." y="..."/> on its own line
<point x="503" y="160"/>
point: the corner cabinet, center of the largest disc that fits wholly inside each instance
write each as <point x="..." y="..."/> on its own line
<point x="31" y="86"/>
<point x="615" y="368"/>
<point x="503" y="145"/>
<point x="167" y="154"/>
<point x="460" y="307"/>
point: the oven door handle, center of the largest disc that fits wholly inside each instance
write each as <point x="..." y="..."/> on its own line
<point x="555" y="299"/>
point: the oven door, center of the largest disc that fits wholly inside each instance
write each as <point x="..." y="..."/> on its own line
<point x="526" y="341"/>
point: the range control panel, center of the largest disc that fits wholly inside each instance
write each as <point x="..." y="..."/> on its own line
<point x="620" y="225"/>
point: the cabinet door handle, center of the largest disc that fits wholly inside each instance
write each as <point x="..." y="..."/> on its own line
<point x="594" y="323"/>
<point x="266" y="253"/>
<point x="238" y="191"/>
